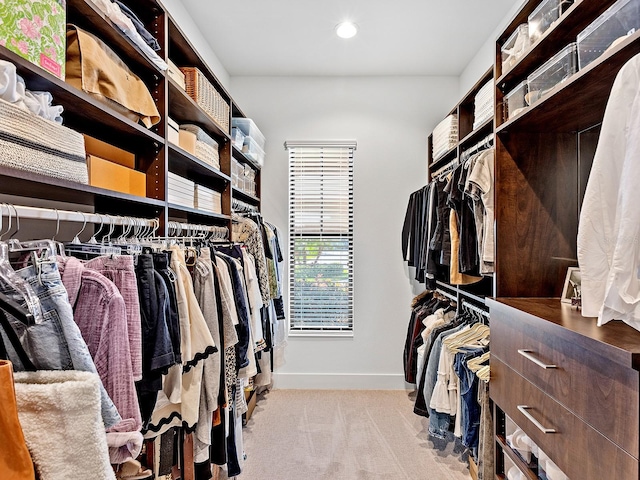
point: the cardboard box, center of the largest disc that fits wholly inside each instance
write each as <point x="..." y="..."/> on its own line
<point x="101" y="149"/>
<point x="36" y="30"/>
<point x="176" y="75"/>
<point x="111" y="176"/>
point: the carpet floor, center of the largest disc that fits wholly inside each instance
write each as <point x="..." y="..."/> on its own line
<point x="345" y="435"/>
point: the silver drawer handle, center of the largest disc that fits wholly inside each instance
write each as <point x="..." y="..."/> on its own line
<point x="527" y="354"/>
<point x="523" y="409"/>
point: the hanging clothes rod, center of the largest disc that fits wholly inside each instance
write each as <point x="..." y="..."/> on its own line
<point x="176" y="229"/>
<point x="452" y="164"/>
<point x="472" y="307"/>
<point x="484" y="143"/>
<point x="240" y="206"/>
<point x="447" y="294"/>
<point x="40" y="213"/>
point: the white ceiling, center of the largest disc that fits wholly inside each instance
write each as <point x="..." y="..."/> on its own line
<point x="396" y="37"/>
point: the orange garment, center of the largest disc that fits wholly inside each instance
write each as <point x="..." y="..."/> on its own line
<point x="457" y="278"/>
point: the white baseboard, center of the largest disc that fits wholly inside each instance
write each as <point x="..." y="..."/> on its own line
<point x="339" y="381"/>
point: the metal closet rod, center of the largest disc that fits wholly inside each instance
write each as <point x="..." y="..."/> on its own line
<point x="470" y="306"/>
<point x="40" y="213"/>
<point x="196" y="227"/>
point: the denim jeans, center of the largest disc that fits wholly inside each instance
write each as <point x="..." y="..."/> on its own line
<point x="55" y="343"/>
<point x="438" y="422"/>
<point x="470" y="410"/>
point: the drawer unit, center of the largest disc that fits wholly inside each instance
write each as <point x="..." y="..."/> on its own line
<point x="557" y="361"/>
<point x="576" y="447"/>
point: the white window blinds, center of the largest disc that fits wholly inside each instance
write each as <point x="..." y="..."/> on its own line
<point x="321" y="237"/>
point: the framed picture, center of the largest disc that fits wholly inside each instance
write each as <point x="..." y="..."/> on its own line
<point x="571" y="285"/>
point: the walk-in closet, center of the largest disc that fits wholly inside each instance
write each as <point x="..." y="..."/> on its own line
<point x="324" y="240"/>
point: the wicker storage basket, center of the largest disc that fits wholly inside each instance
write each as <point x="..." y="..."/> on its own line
<point x="205" y="95"/>
<point x="31" y="143"/>
<point x="206" y="149"/>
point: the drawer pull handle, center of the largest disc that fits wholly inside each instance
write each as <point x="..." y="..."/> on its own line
<point x="527" y="354"/>
<point x="523" y="409"/>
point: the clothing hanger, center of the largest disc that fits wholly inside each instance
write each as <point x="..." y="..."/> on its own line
<point x="11" y="279"/>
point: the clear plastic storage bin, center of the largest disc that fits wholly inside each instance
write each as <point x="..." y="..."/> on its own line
<point x="252" y="149"/>
<point x="515" y="47"/>
<point x="618" y="21"/>
<point x="237" y="137"/>
<point x="249" y="128"/>
<point x="515" y="101"/>
<point x="556" y="70"/>
<point x="541" y="19"/>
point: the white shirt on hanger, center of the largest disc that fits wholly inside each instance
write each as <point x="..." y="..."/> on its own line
<point x="609" y="228"/>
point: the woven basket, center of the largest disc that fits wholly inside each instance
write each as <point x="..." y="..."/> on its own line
<point x="33" y="144"/>
<point x="205" y="95"/>
<point x="206" y="147"/>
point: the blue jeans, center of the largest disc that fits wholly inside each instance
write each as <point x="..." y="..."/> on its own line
<point x="55" y="343"/>
<point x="470" y="410"/>
<point x="438" y="422"/>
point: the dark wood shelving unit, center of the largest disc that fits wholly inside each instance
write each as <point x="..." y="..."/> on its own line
<point x="183" y="109"/>
<point x="239" y="155"/>
<point x="579" y="102"/>
<point x="515" y="458"/>
<point x="245" y="197"/>
<point x="199" y="215"/>
<point x="543" y="159"/>
<point x="18" y="182"/>
<point x="475" y="136"/>
<point x="577" y="17"/>
<point x="83" y="113"/>
<point x="467" y="138"/>
<point x="89" y="17"/>
<point x="186" y="165"/>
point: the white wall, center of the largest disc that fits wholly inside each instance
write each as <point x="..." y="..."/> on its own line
<point x="192" y="32"/>
<point x="390" y="117"/>
<point x="485" y="57"/>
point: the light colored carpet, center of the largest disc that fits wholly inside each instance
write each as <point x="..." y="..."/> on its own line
<point x="345" y="435"/>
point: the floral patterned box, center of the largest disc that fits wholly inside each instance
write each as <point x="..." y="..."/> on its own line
<point x="35" y="30"/>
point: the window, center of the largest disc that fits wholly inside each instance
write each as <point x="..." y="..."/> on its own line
<point x="321" y="237"/>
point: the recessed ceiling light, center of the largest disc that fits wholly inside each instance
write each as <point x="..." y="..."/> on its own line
<point x="346" y="30"/>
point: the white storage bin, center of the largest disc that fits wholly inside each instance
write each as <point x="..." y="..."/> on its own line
<point x="515" y="47"/>
<point x="173" y="131"/>
<point x="541" y="19"/>
<point x="618" y="21"/>
<point x="249" y="128"/>
<point x="515" y="100"/>
<point x="556" y="70"/>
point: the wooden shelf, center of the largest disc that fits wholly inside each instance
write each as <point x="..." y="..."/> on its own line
<point x="183" y="109"/>
<point x="578" y="103"/>
<point x="515" y="458"/>
<point x="186" y="165"/>
<point x="478" y="134"/>
<point x="245" y="197"/>
<point x="194" y="212"/>
<point x="239" y="155"/>
<point x="20" y="183"/>
<point x="89" y="17"/>
<point x="447" y="157"/>
<point x="83" y="113"/>
<point x="564" y="31"/>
